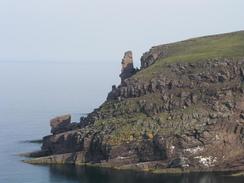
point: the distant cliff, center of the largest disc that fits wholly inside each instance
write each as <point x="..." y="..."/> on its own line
<point x="182" y="110"/>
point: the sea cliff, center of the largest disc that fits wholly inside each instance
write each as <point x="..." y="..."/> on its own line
<point x="182" y="110"/>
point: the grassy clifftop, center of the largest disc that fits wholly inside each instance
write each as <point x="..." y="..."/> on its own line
<point x="230" y="45"/>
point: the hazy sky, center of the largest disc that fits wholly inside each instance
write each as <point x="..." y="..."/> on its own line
<point x="101" y="30"/>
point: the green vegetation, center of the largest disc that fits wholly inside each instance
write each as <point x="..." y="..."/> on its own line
<point x="130" y="127"/>
<point x="229" y="45"/>
<point x="126" y="128"/>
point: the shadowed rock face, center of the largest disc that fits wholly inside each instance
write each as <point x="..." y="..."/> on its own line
<point x="189" y="115"/>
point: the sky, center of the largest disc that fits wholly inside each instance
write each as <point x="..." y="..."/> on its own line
<point x="100" y="31"/>
<point x="64" y="55"/>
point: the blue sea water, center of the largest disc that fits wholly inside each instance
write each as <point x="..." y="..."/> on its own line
<point x="32" y="93"/>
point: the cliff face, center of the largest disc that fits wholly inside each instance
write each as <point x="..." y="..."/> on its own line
<point x="183" y="109"/>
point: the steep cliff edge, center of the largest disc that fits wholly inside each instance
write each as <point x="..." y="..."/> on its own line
<point x="183" y="109"/>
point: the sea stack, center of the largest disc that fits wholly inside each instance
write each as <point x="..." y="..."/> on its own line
<point x="127" y="66"/>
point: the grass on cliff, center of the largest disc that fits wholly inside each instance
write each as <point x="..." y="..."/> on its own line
<point x="230" y="45"/>
<point x="130" y="127"/>
<point x="126" y="128"/>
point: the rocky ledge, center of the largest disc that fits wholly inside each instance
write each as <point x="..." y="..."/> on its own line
<point x="184" y="110"/>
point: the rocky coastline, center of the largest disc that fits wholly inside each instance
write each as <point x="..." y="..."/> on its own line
<point x="183" y="110"/>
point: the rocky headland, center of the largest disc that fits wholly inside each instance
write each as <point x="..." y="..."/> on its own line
<point x="182" y="110"/>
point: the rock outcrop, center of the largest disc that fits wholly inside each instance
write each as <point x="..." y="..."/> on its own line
<point x="152" y="55"/>
<point x="184" y="109"/>
<point x="59" y="123"/>
<point x="62" y="124"/>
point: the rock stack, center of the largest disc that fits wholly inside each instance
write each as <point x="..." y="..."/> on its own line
<point x="127" y="66"/>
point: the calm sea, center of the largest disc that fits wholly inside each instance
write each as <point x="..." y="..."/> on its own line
<point x="32" y="93"/>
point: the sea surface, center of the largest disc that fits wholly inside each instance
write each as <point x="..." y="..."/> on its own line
<point x="32" y="93"/>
